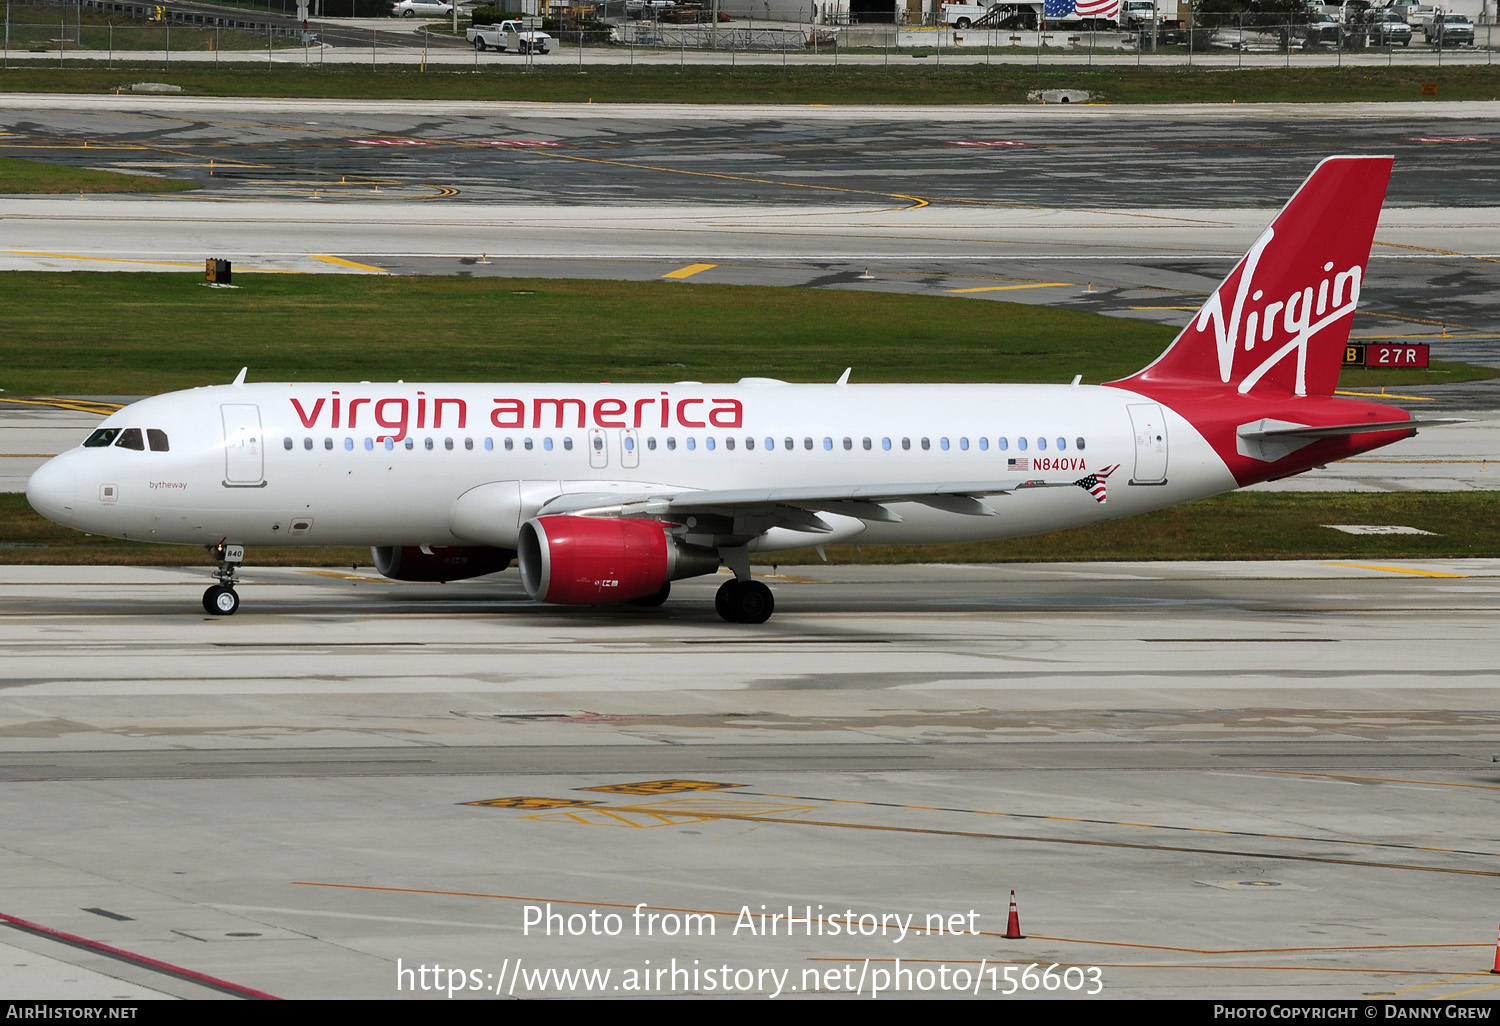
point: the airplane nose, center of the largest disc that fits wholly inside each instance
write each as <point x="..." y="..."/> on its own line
<point x="51" y="491"/>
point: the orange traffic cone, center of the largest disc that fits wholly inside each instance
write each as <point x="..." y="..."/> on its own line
<point x="1496" y="970"/>
<point x="1013" y="924"/>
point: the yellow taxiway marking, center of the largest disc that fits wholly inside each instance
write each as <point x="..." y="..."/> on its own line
<point x="1168" y="965"/>
<point x="1382" y="780"/>
<point x="1044" y="817"/>
<point x="1466" y="993"/>
<point x="1440" y="983"/>
<point x="651" y="787"/>
<point x="103" y="409"/>
<point x="1439" y="252"/>
<point x="340" y="575"/>
<point x="1397" y="570"/>
<point x="1386" y="395"/>
<point x="914" y="202"/>
<point x="340" y="261"/>
<point x="1028" y="285"/>
<point x="102" y="260"/>
<point x="689" y="270"/>
<point x="1467" y="336"/>
<point x="1414" y="461"/>
<point x="152" y="263"/>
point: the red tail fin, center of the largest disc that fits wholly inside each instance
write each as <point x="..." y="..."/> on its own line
<point x="1279" y="323"/>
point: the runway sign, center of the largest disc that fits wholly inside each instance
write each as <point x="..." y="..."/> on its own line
<point x="1385" y="354"/>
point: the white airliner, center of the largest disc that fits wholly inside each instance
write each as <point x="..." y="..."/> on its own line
<point x="607" y="493"/>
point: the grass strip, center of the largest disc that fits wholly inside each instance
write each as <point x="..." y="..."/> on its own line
<point x="23" y="176"/>
<point x="126" y="333"/>
<point x="928" y="83"/>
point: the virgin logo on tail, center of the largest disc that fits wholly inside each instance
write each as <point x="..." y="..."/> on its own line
<point x="1274" y="321"/>
<point x="1279" y="322"/>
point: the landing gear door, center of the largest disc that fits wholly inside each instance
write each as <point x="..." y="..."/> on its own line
<point x="1150" y="428"/>
<point x="244" y="446"/>
<point x="598" y="449"/>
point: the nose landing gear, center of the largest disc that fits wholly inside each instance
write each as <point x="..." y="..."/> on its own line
<point x="222" y="599"/>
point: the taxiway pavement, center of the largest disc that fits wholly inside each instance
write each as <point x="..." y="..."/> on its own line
<point x="1243" y="780"/>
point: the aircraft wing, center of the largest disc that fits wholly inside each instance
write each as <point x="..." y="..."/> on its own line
<point x="797" y="508"/>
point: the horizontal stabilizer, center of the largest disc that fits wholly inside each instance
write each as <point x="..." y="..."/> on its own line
<point x="1271" y="440"/>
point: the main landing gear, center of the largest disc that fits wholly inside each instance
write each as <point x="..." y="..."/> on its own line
<point x="744" y="601"/>
<point x="222" y="599"/>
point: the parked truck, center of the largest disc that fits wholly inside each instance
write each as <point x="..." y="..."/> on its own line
<point x="961" y="15"/>
<point x="504" y="34"/>
<point x="1446" y="28"/>
<point x="1137" y="16"/>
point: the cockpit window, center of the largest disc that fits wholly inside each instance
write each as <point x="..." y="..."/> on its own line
<point x="131" y="438"/>
<point x="99" y="439"/>
<point x="157" y="438"/>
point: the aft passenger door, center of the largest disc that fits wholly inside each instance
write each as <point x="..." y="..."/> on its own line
<point x="1150" y="427"/>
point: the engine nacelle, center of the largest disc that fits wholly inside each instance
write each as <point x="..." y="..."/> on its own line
<point x="439" y="562"/>
<point x="588" y="560"/>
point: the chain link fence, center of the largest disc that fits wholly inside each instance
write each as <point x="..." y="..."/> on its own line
<point x="111" y="31"/>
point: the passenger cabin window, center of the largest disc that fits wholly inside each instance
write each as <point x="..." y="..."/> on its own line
<point x="158" y="439"/>
<point x="131" y="438"/>
<point x="100" y="438"/>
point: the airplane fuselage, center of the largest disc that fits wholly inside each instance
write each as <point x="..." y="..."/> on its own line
<point x="387" y="464"/>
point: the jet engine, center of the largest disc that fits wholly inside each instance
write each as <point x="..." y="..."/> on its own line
<point x="586" y="560"/>
<point x="439" y="562"/>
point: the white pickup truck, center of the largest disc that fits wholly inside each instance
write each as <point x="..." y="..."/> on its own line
<point x="962" y="15"/>
<point x="502" y="35"/>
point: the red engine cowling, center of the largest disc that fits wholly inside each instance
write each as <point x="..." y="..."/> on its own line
<point x="588" y="560"/>
<point x="439" y="562"/>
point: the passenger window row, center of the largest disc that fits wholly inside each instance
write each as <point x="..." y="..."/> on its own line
<point x="710" y="443"/>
